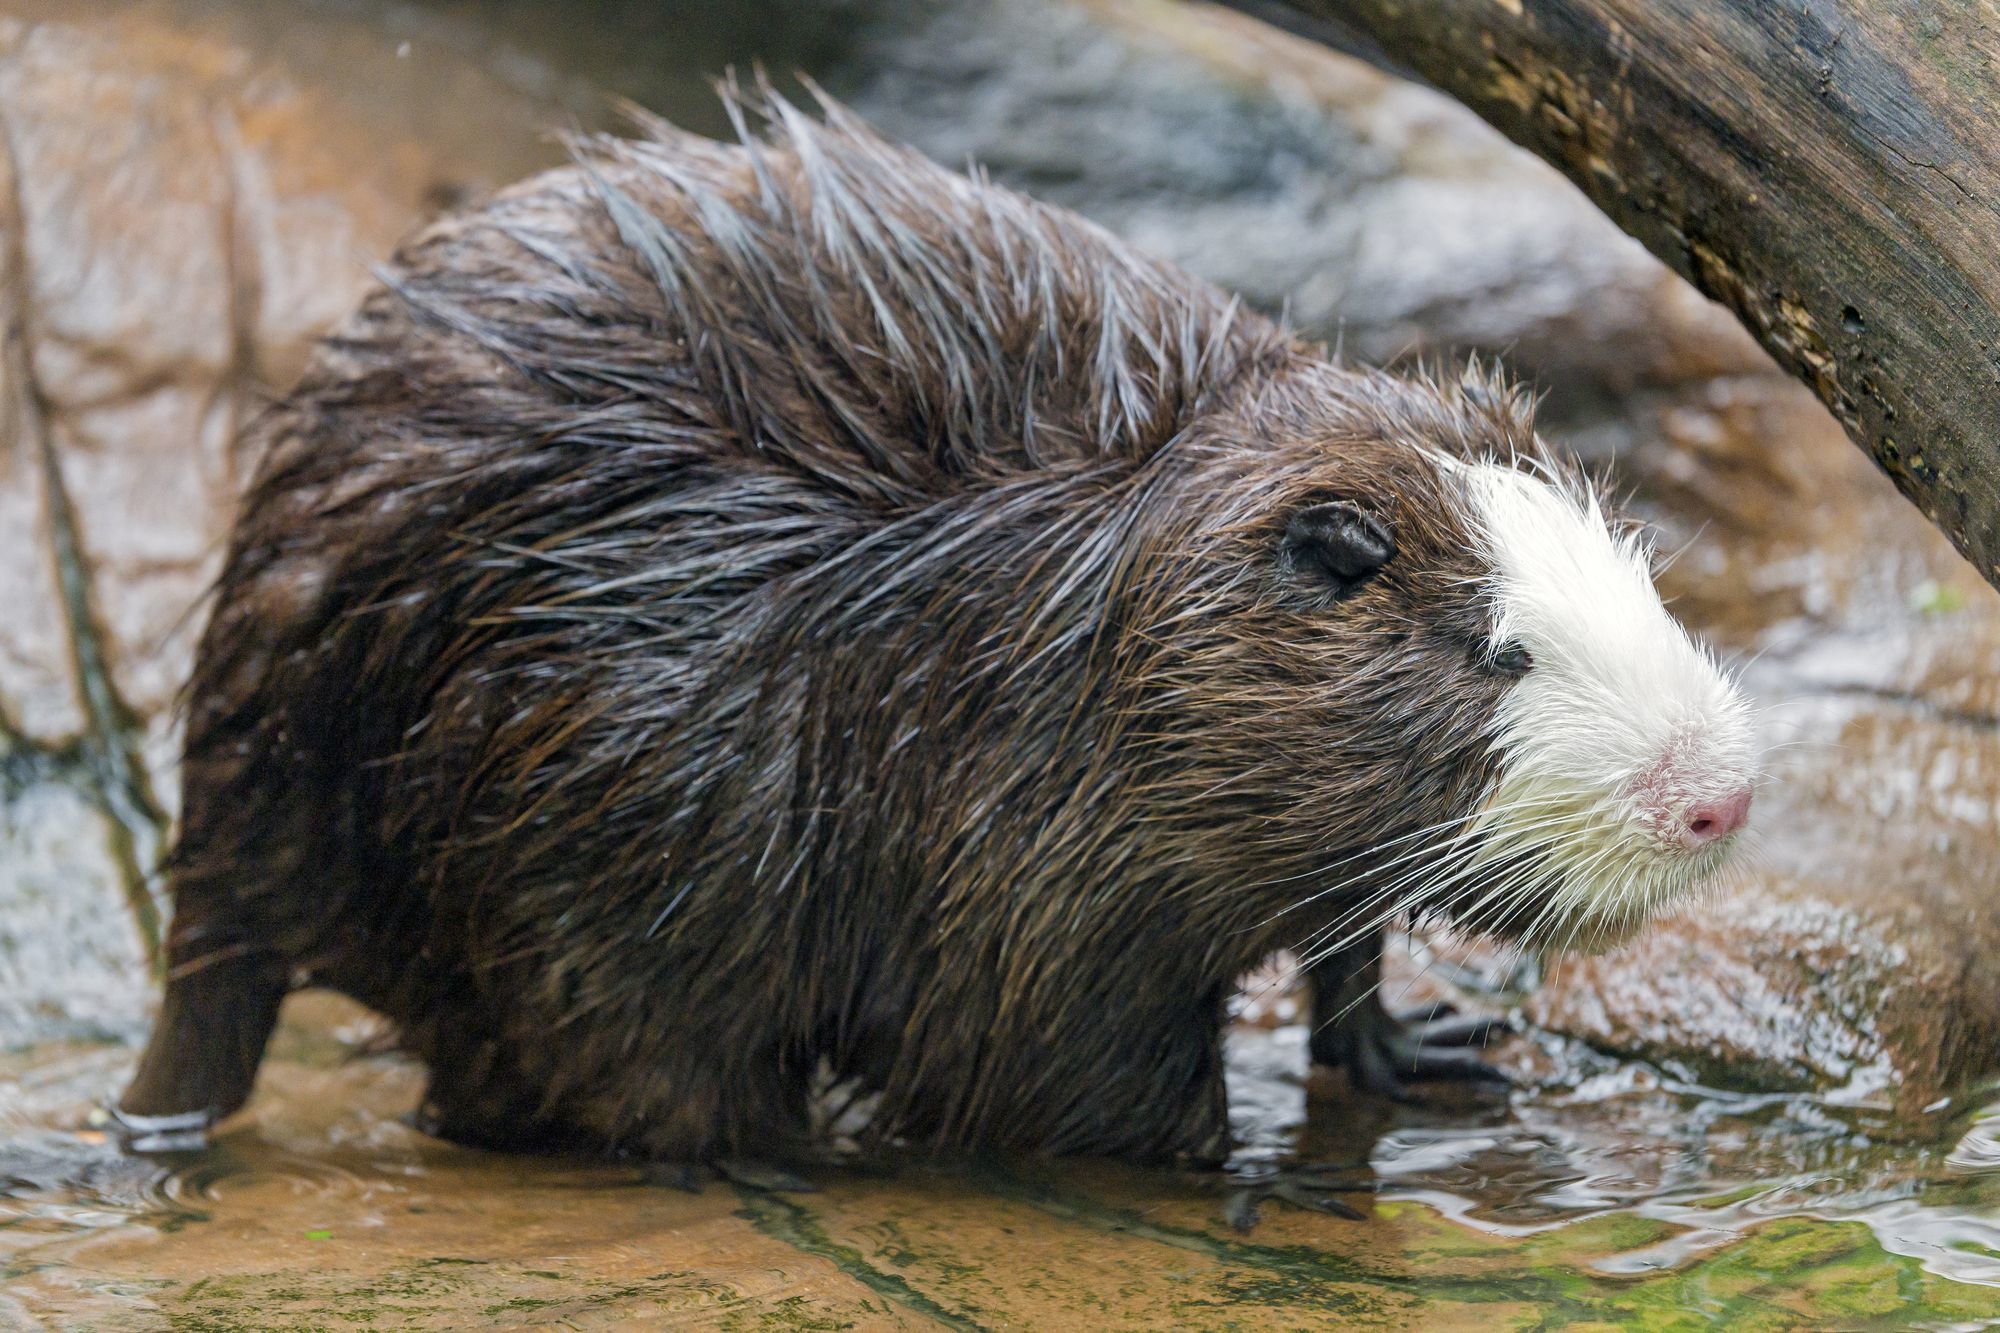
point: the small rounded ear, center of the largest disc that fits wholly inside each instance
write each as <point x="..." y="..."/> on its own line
<point x="1338" y="544"/>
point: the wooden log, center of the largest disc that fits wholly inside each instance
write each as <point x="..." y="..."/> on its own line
<point x="1828" y="169"/>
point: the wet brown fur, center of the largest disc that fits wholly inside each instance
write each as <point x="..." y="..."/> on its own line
<point x="722" y="610"/>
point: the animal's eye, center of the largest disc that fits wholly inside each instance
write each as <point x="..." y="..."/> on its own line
<point x="1338" y="545"/>
<point x="1511" y="659"/>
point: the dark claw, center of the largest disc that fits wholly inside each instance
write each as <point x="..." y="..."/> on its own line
<point x="1312" y="1188"/>
<point x="1385" y="1053"/>
<point x="1420" y="1061"/>
<point x="1445" y="1028"/>
<point x="764" y="1179"/>
<point x="185" y="1132"/>
<point x="749" y="1175"/>
<point x="674" y="1175"/>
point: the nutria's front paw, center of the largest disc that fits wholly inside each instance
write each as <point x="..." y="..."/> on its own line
<point x="1384" y="1053"/>
<point x="1314" y="1187"/>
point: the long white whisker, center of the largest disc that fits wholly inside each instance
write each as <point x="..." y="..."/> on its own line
<point x="1435" y="852"/>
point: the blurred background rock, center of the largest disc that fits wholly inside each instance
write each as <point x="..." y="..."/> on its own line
<point x="194" y="189"/>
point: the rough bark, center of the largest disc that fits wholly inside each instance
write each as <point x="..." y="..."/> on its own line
<point x="1828" y="169"/>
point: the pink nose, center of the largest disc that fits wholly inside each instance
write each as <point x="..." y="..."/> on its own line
<point x="1714" y="820"/>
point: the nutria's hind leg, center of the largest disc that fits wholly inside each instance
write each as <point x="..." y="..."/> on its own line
<point x="203" y="1055"/>
<point x="747" y="1124"/>
<point x="490" y="1090"/>
<point x="477" y="1094"/>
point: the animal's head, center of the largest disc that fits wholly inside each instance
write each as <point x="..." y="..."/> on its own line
<point x="1432" y="675"/>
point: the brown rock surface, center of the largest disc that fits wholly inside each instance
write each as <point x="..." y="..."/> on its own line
<point x="1853" y="954"/>
<point x="185" y="215"/>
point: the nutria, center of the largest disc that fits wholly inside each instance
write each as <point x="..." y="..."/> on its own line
<point x="725" y="615"/>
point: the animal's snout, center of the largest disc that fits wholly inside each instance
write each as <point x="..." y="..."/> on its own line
<point x="1692" y="797"/>
<point x="1710" y="821"/>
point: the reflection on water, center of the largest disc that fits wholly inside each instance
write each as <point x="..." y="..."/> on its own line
<point x="1606" y="1174"/>
<point x="1601" y="1137"/>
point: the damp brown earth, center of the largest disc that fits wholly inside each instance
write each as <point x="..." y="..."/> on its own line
<point x="1768" y="1112"/>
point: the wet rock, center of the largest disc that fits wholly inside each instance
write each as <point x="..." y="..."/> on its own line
<point x="323" y="1208"/>
<point x="1851" y="955"/>
<point x="71" y="965"/>
<point x="184" y="215"/>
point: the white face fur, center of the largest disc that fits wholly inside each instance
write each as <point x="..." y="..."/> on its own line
<point x="1626" y="757"/>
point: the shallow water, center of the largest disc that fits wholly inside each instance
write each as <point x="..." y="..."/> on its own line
<point x="1608" y="1195"/>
